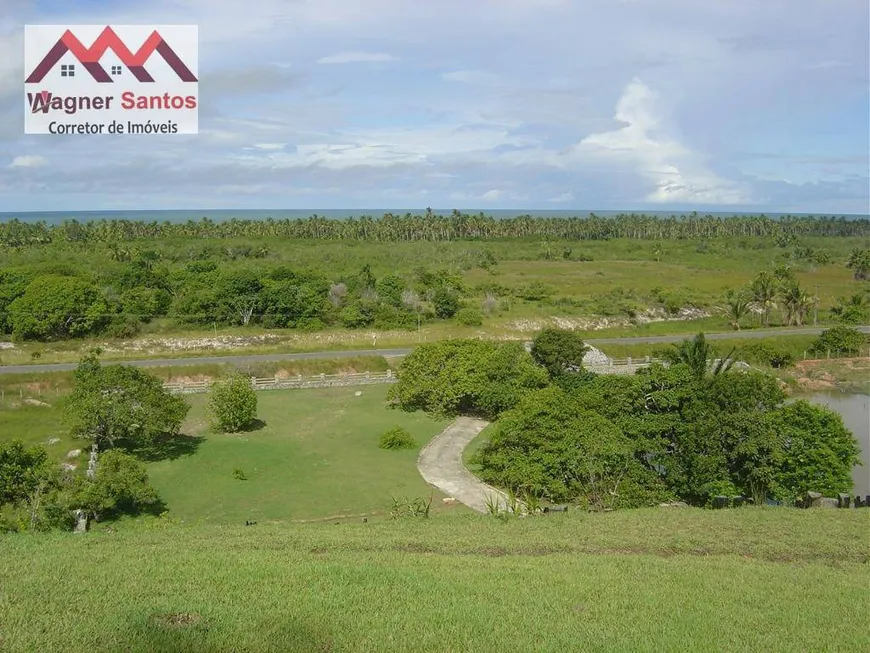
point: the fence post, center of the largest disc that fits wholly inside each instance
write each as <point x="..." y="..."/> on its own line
<point x="254" y="382"/>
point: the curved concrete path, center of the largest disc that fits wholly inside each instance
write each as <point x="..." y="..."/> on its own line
<point x="440" y="463"/>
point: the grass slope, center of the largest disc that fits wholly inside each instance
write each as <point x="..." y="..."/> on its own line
<point x="648" y="580"/>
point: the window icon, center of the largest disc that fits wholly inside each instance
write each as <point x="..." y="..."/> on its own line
<point x="116" y="70"/>
<point x="67" y="70"/>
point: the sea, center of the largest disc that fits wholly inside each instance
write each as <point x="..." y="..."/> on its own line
<point x="220" y="215"/>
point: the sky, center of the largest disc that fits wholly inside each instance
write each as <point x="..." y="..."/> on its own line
<point x="721" y="105"/>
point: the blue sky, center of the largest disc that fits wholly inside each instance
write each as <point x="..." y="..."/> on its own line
<point x="476" y="104"/>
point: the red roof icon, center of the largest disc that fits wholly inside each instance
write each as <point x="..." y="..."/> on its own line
<point x="108" y="40"/>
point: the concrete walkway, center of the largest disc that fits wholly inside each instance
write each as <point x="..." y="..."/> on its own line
<point x="440" y="463"/>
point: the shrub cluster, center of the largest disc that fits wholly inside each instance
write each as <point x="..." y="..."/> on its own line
<point x="396" y="438"/>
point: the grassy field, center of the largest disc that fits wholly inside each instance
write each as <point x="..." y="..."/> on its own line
<point x="315" y="456"/>
<point x="797" y="345"/>
<point x="624" y="278"/>
<point x="648" y="580"/>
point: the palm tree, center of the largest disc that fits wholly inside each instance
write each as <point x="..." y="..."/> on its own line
<point x="696" y="353"/>
<point x="738" y="307"/>
<point x="764" y="288"/>
<point x="797" y="303"/>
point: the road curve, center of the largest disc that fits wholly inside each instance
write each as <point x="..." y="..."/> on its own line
<point x="440" y="464"/>
<point x="271" y="358"/>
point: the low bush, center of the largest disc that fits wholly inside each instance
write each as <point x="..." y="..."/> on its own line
<point x="233" y="404"/>
<point x="396" y="438"/>
<point x="765" y="354"/>
<point x="469" y="317"/>
<point x="839" y="340"/>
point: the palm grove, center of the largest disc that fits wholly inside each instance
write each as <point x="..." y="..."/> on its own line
<point x="691" y="430"/>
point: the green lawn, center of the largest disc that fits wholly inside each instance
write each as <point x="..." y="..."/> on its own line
<point x="21" y="418"/>
<point x="648" y="580"/>
<point x="316" y="456"/>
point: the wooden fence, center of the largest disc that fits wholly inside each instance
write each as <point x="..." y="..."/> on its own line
<point x="626" y="366"/>
<point x="292" y="382"/>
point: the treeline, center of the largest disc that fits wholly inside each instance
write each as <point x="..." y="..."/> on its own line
<point x="431" y="227"/>
<point x="56" y="304"/>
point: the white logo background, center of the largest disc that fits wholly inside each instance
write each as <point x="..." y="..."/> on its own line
<point x="183" y="39"/>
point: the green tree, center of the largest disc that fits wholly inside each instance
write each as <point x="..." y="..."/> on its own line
<point x="54" y="306"/>
<point x="12" y="286"/>
<point x="559" y="351"/>
<point x="233" y="404"/>
<point x="453" y="377"/>
<point x="550" y="446"/>
<point x="797" y="303"/>
<point x="119" y="486"/>
<point x="738" y="306"/>
<point x="818" y="451"/>
<point x="764" y="290"/>
<point x="20" y="470"/>
<point x="446" y="302"/>
<point x="839" y="340"/>
<point x="237" y="296"/>
<point x="120" y="405"/>
<point x="390" y="289"/>
<point x="30" y="489"/>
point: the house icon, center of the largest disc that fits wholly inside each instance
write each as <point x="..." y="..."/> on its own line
<point x="109" y="40"/>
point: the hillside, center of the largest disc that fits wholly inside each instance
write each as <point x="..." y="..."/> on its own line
<point x="682" y="580"/>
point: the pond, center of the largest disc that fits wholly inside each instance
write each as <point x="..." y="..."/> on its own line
<point x="855" y="410"/>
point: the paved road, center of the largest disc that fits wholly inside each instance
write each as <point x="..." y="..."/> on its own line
<point x="440" y="464"/>
<point x="269" y="358"/>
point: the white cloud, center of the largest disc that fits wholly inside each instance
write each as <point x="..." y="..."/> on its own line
<point x="468" y="77"/>
<point x="678" y="173"/>
<point x="357" y="57"/>
<point x="28" y="161"/>
<point x="563" y="198"/>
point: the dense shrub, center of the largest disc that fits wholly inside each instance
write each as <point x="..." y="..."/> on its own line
<point x="839" y="340"/>
<point x="53" y="307"/>
<point x="548" y="445"/>
<point x="446" y="302"/>
<point x="120" y="486"/>
<point x="466" y="376"/>
<point x="612" y="441"/>
<point x="469" y="317"/>
<point x="233" y="404"/>
<point x="765" y="354"/>
<point x="396" y="438"/>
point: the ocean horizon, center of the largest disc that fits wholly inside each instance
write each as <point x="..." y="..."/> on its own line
<point x="222" y="215"/>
